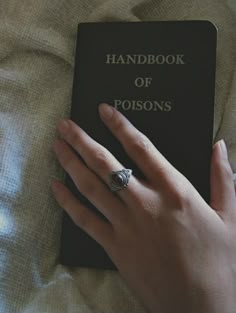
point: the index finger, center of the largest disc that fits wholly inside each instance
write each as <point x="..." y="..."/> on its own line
<point x="137" y="145"/>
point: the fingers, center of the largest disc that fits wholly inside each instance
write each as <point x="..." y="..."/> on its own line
<point x="98" y="159"/>
<point x="223" y="198"/>
<point x="89" y="184"/>
<point x="152" y="163"/>
<point x="92" y="224"/>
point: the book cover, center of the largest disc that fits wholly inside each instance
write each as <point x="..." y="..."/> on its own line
<point x="161" y="76"/>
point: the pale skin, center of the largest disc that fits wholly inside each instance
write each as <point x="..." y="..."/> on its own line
<point x="175" y="251"/>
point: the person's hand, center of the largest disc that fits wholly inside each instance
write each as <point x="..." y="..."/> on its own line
<point x="173" y="249"/>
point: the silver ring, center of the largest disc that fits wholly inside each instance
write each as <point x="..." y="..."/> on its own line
<point x="119" y="179"/>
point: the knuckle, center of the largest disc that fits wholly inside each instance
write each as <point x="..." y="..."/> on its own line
<point x="181" y="197"/>
<point x="101" y="159"/>
<point x="140" y="145"/>
<point x="178" y="195"/>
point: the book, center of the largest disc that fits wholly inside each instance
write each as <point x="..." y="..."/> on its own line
<point x="161" y="76"/>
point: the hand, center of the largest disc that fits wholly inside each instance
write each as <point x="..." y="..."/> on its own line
<point x="173" y="249"/>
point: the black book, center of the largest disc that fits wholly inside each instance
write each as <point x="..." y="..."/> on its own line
<point x="161" y="76"/>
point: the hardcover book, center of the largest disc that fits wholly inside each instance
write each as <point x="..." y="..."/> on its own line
<point x="161" y="76"/>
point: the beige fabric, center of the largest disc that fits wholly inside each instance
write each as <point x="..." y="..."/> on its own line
<point x="37" y="44"/>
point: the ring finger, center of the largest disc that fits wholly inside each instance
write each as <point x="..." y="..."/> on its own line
<point x="98" y="158"/>
<point x="89" y="184"/>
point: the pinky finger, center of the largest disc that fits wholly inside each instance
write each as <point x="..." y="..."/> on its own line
<point x="93" y="225"/>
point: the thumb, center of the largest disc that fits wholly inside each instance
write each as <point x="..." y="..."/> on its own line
<point x="223" y="198"/>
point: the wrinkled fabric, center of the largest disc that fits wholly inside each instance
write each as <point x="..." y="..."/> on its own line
<point x="37" y="46"/>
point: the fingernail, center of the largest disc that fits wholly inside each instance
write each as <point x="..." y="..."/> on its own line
<point x="106" y="111"/>
<point x="224" y="149"/>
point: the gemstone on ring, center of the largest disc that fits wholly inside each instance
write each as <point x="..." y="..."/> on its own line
<point x="119" y="179"/>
